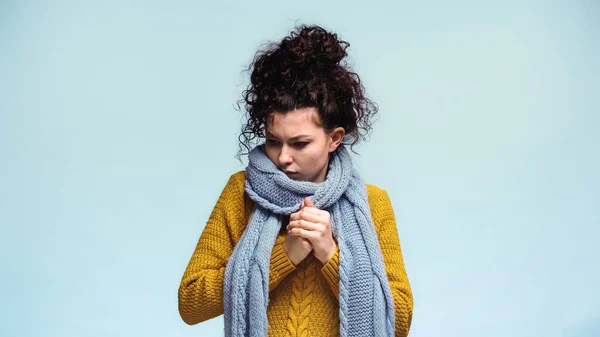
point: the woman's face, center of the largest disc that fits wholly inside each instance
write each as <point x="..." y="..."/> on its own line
<point x="298" y="145"/>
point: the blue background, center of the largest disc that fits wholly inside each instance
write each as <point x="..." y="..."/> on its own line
<point x="118" y="131"/>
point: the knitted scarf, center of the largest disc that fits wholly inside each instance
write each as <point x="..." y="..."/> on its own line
<point x="366" y="305"/>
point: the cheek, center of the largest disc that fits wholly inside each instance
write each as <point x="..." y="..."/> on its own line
<point x="271" y="154"/>
<point x="316" y="158"/>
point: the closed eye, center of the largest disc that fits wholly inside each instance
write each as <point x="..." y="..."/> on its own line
<point x="300" y="144"/>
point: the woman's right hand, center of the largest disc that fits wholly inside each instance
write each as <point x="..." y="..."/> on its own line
<point x="296" y="248"/>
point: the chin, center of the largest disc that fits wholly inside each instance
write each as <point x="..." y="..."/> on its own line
<point x="300" y="178"/>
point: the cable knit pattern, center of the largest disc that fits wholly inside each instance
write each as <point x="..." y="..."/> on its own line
<point x="311" y="285"/>
<point x="366" y="302"/>
<point x="303" y="287"/>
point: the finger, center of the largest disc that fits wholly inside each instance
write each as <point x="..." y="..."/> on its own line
<point x="311" y="226"/>
<point x="313" y="210"/>
<point x="307" y="225"/>
<point x="310" y="214"/>
<point x="308" y="202"/>
<point x="305" y="234"/>
<point x="295" y="216"/>
<point x="312" y="217"/>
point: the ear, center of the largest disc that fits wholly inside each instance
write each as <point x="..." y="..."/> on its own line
<point x="335" y="137"/>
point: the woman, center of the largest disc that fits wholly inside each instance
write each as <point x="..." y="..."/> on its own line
<point x="297" y="244"/>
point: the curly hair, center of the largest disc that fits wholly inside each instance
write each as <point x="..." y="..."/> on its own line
<point x="305" y="70"/>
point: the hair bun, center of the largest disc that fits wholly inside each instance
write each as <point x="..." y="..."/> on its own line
<point x="305" y="71"/>
<point x="314" y="45"/>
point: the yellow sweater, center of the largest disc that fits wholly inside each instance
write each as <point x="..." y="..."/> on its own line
<point x="303" y="299"/>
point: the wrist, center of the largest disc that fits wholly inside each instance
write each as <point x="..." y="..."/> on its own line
<point x="290" y="257"/>
<point x="329" y="254"/>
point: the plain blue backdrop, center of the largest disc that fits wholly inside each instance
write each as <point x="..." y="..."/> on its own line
<point x="118" y="132"/>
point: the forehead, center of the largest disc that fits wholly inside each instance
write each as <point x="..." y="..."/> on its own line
<point x="305" y="120"/>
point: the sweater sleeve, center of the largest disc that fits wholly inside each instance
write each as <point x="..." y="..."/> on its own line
<point x="200" y="292"/>
<point x="280" y="267"/>
<point x="385" y="224"/>
<point x="331" y="273"/>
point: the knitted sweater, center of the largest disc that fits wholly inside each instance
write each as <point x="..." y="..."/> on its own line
<point x="303" y="299"/>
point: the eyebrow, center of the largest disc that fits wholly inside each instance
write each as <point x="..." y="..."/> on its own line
<point x="269" y="134"/>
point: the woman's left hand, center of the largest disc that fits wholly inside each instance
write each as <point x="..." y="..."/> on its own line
<point x="314" y="224"/>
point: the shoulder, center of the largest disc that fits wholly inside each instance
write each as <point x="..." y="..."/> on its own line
<point x="233" y="192"/>
<point x="236" y="182"/>
<point x="375" y="194"/>
<point x="238" y="177"/>
<point x="380" y="205"/>
<point x="228" y="211"/>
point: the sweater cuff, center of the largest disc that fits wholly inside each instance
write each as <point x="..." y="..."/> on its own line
<point x="331" y="272"/>
<point x="281" y="266"/>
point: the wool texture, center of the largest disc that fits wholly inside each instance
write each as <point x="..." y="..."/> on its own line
<point x="366" y="304"/>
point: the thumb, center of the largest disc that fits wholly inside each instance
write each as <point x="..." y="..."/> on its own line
<point x="308" y="202"/>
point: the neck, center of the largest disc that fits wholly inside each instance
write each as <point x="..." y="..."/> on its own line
<point x="322" y="175"/>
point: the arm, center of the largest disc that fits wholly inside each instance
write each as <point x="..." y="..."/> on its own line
<point x="385" y="224"/>
<point x="201" y="289"/>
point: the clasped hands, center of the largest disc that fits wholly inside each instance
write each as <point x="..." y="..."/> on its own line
<point x="309" y="230"/>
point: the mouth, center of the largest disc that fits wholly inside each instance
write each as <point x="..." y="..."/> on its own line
<point x="290" y="173"/>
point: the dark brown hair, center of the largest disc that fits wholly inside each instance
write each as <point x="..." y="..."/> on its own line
<point x="305" y="70"/>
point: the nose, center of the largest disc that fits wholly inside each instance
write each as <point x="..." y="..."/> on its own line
<point x="285" y="158"/>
